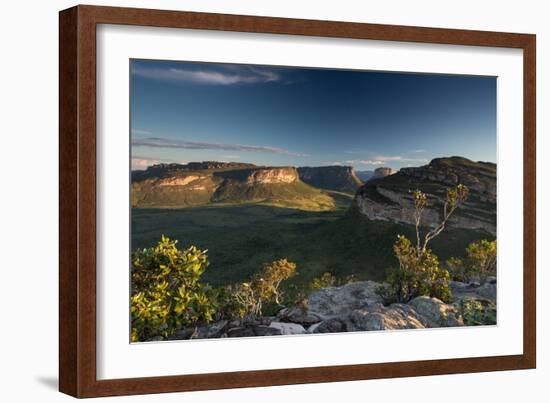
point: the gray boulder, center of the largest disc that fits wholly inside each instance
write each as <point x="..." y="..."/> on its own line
<point x="435" y="313"/>
<point x="298" y="314"/>
<point x="386" y="319"/>
<point x="333" y="325"/>
<point x="340" y="301"/>
<point x="250" y="331"/>
<point x="211" y="331"/>
<point x="474" y="290"/>
<point x="288" y="328"/>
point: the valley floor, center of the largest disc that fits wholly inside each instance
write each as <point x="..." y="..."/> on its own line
<point x="241" y="238"/>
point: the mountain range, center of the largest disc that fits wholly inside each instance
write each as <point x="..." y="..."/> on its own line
<point x="382" y="195"/>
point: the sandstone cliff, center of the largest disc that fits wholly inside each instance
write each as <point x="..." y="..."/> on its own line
<point x="201" y="183"/>
<point x="339" y="178"/>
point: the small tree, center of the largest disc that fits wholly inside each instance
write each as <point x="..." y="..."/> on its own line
<point x="265" y="287"/>
<point x="455" y="197"/>
<point x="166" y="290"/>
<point x="419" y="272"/>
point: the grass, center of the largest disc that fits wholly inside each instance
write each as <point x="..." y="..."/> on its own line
<point x="240" y="238"/>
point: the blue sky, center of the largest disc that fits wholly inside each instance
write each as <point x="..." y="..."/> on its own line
<point x="183" y="112"/>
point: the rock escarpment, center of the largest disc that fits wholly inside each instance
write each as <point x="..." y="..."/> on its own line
<point x="201" y="183"/>
<point x="389" y="198"/>
<point x="261" y="175"/>
<point x="339" y="178"/>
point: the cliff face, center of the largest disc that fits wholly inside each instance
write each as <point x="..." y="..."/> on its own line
<point x="382" y="172"/>
<point x="339" y="178"/>
<point x="201" y="183"/>
<point x="388" y="198"/>
<point x="261" y="175"/>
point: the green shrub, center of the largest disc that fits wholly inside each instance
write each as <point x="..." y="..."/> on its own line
<point x="166" y="290"/>
<point x="326" y="280"/>
<point x="482" y="258"/>
<point x="475" y="313"/>
<point x="418" y="274"/>
<point x="480" y="261"/>
<point x="458" y="270"/>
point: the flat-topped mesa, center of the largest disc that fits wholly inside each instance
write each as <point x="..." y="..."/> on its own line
<point x="333" y="177"/>
<point x="267" y="175"/>
<point x="389" y="198"/>
<point x="218" y="165"/>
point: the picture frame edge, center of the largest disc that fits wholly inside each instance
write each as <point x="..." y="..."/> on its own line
<point x="77" y="206"/>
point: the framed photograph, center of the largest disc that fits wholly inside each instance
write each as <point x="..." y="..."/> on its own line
<point x="254" y="201"/>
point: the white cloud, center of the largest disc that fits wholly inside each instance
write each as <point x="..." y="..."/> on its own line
<point x="160" y="142"/>
<point x="220" y="76"/>
<point x="139" y="163"/>
<point x="379" y="160"/>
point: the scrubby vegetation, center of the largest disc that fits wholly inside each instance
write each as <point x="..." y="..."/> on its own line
<point x="264" y="289"/>
<point x="475" y="313"/>
<point x="166" y="290"/>
<point x="168" y="294"/>
<point x="480" y="262"/>
<point x="172" y="288"/>
<point x="419" y="272"/>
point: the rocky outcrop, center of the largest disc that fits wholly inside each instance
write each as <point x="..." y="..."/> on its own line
<point x="337" y="301"/>
<point x="389" y="198"/>
<point x="474" y="290"/>
<point x="179" y="180"/>
<point x="339" y="178"/>
<point x="382" y="172"/>
<point x="355" y="307"/>
<point x="261" y="175"/>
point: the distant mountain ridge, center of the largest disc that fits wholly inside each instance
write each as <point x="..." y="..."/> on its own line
<point x="388" y="198"/>
<point x="364" y="175"/>
<point x="202" y="183"/>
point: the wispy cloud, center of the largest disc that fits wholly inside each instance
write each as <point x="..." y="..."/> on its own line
<point x="142" y="132"/>
<point x="160" y="142"/>
<point x="379" y="160"/>
<point x="216" y="75"/>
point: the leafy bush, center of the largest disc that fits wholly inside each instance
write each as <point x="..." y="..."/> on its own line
<point x="482" y="258"/>
<point x="326" y="280"/>
<point x="476" y="313"/>
<point x="166" y="290"/>
<point x="458" y="270"/>
<point x="418" y="274"/>
<point x="480" y="262"/>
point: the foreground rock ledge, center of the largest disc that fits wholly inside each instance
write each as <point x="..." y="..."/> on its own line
<point x="349" y="308"/>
